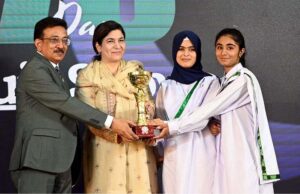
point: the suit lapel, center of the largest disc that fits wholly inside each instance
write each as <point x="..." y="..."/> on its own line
<point x="59" y="79"/>
<point x="65" y="85"/>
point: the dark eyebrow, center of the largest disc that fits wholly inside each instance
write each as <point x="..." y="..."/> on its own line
<point x="58" y="37"/>
<point x="230" y="44"/>
<point x="114" y="39"/>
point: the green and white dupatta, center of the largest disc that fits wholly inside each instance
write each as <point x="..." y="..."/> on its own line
<point x="269" y="171"/>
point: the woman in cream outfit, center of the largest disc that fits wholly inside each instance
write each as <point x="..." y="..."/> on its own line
<point x="113" y="164"/>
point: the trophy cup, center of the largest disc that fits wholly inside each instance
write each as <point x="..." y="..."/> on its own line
<point x="140" y="79"/>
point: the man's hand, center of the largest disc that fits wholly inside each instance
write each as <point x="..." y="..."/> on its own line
<point x="162" y="126"/>
<point x="123" y="128"/>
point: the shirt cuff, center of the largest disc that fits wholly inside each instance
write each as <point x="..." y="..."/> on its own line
<point x="173" y="127"/>
<point x="108" y="121"/>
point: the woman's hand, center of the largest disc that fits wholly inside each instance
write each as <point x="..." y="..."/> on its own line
<point x="214" y="126"/>
<point x="162" y="126"/>
<point x="150" y="109"/>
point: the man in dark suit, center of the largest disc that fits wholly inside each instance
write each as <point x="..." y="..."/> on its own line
<point x="46" y="126"/>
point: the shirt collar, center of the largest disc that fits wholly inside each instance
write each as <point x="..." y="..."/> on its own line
<point x="232" y="71"/>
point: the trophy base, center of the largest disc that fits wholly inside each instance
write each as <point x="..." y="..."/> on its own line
<point x="145" y="131"/>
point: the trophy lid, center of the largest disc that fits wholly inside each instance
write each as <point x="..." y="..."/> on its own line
<point x="140" y="78"/>
<point x="140" y="72"/>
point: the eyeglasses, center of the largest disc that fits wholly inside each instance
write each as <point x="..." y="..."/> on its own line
<point x="56" y="40"/>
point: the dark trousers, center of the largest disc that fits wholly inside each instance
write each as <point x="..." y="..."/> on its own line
<point x="34" y="181"/>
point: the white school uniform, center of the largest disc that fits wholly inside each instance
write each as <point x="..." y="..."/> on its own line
<point x="189" y="159"/>
<point x="239" y="163"/>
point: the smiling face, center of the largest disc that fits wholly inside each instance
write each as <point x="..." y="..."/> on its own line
<point x="113" y="47"/>
<point x="228" y="52"/>
<point x="186" y="54"/>
<point x="54" y="51"/>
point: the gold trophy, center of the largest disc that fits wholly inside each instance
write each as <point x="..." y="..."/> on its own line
<point x="140" y="79"/>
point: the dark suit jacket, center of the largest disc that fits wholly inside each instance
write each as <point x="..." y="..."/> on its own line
<point x="46" y="128"/>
